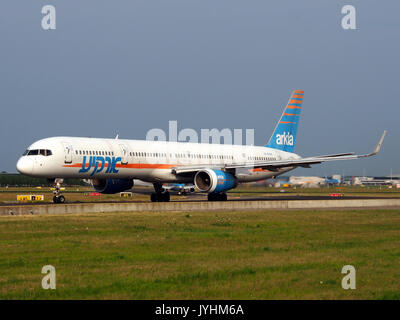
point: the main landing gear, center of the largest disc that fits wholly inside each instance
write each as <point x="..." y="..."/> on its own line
<point x="160" y="195"/>
<point x="58" y="197"/>
<point x="221" y="196"/>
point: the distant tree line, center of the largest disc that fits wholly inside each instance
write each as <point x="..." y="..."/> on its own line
<point x="18" y="180"/>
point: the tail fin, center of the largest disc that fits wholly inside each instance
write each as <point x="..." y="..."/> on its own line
<point x="284" y="136"/>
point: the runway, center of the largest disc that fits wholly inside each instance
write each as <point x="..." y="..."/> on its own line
<point x="194" y="203"/>
<point x="199" y="197"/>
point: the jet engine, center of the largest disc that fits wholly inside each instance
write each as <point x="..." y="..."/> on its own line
<point x="110" y="186"/>
<point x="210" y="180"/>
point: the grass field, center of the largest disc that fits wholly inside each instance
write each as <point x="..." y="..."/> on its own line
<point x="202" y="255"/>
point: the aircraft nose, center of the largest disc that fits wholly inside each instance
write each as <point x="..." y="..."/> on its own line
<point x="25" y="165"/>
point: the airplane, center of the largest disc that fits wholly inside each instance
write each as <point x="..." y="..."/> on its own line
<point x="181" y="188"/>
<point x="113" y="164"/>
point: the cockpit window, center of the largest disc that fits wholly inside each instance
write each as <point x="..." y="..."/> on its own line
<point x="35" y="152"/>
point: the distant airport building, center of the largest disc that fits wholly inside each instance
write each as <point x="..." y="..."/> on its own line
<point x="376" y="181"/>
<point x="309" y="182"/>
<point x="334" y="180"/>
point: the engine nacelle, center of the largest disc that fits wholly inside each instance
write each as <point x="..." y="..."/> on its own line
<point x="111" y="186"/>
<point x="209" y="180"/>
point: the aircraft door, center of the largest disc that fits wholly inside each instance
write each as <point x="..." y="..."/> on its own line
<point x="125" y="153"/>
<point x="68" y="150"/>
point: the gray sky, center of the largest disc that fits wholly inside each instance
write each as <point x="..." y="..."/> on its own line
<point x="129" y="66"/>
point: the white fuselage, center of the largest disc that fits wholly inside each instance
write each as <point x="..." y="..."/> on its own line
<point x="152" y="161"/>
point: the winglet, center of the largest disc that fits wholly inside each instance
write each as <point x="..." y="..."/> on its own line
<point x="379" y="145"/>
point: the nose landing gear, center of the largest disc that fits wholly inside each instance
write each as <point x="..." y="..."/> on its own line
<point x="58" y="197"/>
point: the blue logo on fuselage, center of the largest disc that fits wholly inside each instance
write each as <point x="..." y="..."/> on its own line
<point x="97" y="163"/>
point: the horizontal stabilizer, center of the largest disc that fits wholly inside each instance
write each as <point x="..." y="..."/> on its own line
<point x="274" y="165"/>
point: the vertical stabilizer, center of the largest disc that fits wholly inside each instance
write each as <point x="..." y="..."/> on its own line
<point x="284" y="136"/>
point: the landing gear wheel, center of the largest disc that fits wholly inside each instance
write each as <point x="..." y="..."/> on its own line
<point x="165" y="196"/>
<point x="217" y="196"/>
<point x="160" y="197"/>
<point x="213" y="197"/>
<point x="59" y="199"/>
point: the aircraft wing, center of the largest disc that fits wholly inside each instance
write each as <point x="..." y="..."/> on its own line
<point x="277" y="164"/>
